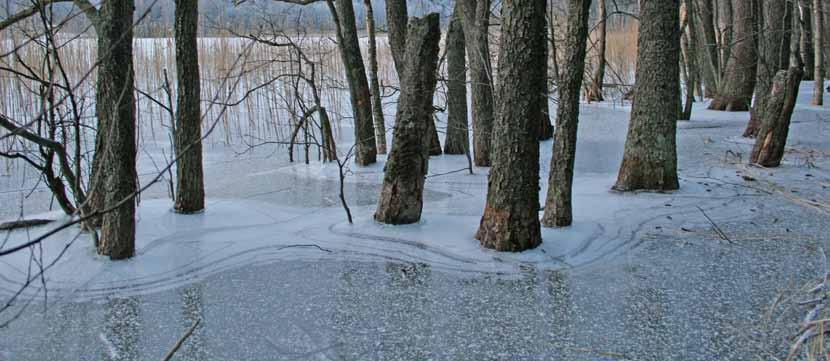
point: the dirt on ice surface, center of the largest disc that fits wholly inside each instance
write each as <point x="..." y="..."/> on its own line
<point x="274" y="272"/>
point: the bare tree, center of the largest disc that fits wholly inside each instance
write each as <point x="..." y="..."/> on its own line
<point x="736" y="93"/>
<point x="377" y="106"/>
<point x="772" y="136"/>
<point x="595" y="88"/>
<point x="773" y="55"/>
<point x="475" y="17"/>
<point x="818" y="40"/>
<point x="457" y="140"/>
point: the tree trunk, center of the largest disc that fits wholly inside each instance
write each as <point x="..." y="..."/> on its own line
<point x="396" y="19"/>
<point x="545" y="127"/>
<point x="457" y="140"/>
<point x="511" y="215"/>
<point x="742" y="65"/>
<point x="772" y="136"/>
<point x="711" y="60"/>
<point x="650" y="157"/>
<point x="377" y="106"/>
<point x="818" y="72"/>
<point x="343" y="13"/>
<point x="115" y="77"/>
<point x="401" y="197"/>
<point x="773" y="55"/>
<point x="595" y="91"/>
<point x="190" y="187"/>
<point x="805" y="43"/>
<point x="558" y="210"/>
<point x="689" y="43"/>
<point x="475" y="17"/>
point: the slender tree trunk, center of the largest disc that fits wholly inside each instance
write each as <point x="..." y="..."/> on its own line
<point x="475" y="17"/>
<point x="343" y="13"/>
<point x="772" y="136"/>
<point x="711" y="59"/>
<point x="545" y="127"/>
<point x="689" y="43"/>
<point x="558" y="210"/>
<point x="115" y="77"/>
<point x="742" y="65"/>
<point x="190" y="187"/>
<point x="650" y="158"/>
<point x="818" y="40"/>
<point x="377" y="106"/>
<point x="457" y="141"/>
<point x="401" y="197"/>
<point x="595" y="91"/>
<point x="396" y="20"/>
<point x="511" y="215"/>
<point x="773" y="55"/>
<point x="805" y="43"/>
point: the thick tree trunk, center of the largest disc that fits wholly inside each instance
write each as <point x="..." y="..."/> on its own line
<point x="805" y="43"/>
<point x="190" y="187"/>
<point x="595" y="90"/>
<point x="558" y="210"/>
<point x="396" y="20"/>
<point x="818" y="40"/>
<point x="401" y="197"/>
<point x="650" y="157"/>
<point x="773" y="55"/>
<point x="116" y="76"/>
<point x="377" y="106"/>
<point x="457" y="140"/>
<point x="511" y="215"/>
<point x="711" y="60"/>
<point x="772" y="136"/>
<point x="475" y="17"/>
<point x="741" y="67"/>
<point x="343" y="13"/>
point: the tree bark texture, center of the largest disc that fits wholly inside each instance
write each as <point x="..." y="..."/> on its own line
<point x="511" y="215"/>
<point x="818" y="40"/>
<point x="741" y="67"/>
<point x="688" y="44"/>
<point x="377" y="106"/>
<point x="475" y="17"/>
<point x="711" y="60"/>
<point x="457" y="140"/>
<point x="805" y="44"/>
<point x="545" y="127"/>
<point x="343" y="12"/>
<point x="396" y="20"/>
<point x="773" y="55"/>
<point x="558" y="210"/>
<point x="595" y="89"/>
<point x="650" y="157"/>
<point x="401" y="197"/>
<point x="115" y="78"/>
<point x="190" y="187"/>
<point x="772" y="136"/>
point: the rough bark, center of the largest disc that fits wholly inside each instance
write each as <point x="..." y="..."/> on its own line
<point x="401" y="197"/>
<point x="396" y="19"/>
<point x="773" y="55"/>
<point x="558" y="210"/>
<point x="511" y="215"/>
<point x="772" y="136"/>
<point x="343" y="13"/>
<point x="457" y="140"/>
<point x="475" y="18"/>
<point x="741" y="67"/>
<point x="650" y="157"/>
<point x="595" y="90"/>
<point x="818" y="40"/>
<point x="377" y="106"/>
<point x="190" y="187"/>
<point x="115" y="78"/>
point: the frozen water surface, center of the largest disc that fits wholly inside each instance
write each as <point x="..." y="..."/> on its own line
<point x="275" y="272"/>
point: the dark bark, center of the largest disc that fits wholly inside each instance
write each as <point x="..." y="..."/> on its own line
<point x="475" y="17"/>
<point x="773" y="55"/>
<point x="117" y="106"/>
<point x="401" y="197"/>
<point x="343" y="13"/>
<point x="377" y="106"/>
<point x="772" y="136"/>
<point x="558" y="210"/>
<point x="690" y="71"/>
<point x="457" y="140"/>
<point x="741" y="67"/>
<point x="818" y="40"/>
<point x="511" y="215"/>
<point x="650" y="157"/>
<point x="805" y="39"/>
<point x="545" y="128"/>
<point x="595" y="90"/>
<point x="396" y="19"/>
<point x="711" y="60"/>
<point x="190" y="187"/>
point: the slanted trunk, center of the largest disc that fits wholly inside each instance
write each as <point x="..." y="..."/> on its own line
<point x="650" y="157"/>
<point x="558" y="210"/>
<point x="115" y="78"/>
<point x="511" y="215"/>
<point x="457" y="140"/>
<point x="401" y="197"/>
<point x="475" y="17"/>
<point x="377" y="106"/>
<point x="818" y="40"/>
<point x="772" y="136"/>
<point x="190" y="187"/>
<point x="343" y="13"/>
<point x="773" y="55"/>
<point x="396" y="19"/>
<point x="595" y="90"/>
<point x="741" y="67"/>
